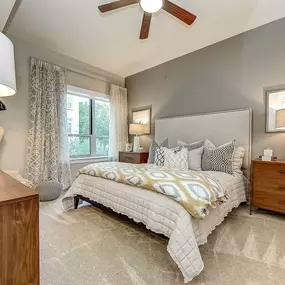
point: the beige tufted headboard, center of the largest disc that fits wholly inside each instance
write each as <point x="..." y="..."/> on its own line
<point x="220" y="127"/>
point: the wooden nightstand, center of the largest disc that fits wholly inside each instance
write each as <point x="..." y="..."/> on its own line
<point x="268" y="185"/>
<point x="133" y="157"/>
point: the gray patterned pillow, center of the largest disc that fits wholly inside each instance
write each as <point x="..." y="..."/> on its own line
<point x="219" y="158"/>
<point x="190" y="146"/>
<point x="154" y="145"/>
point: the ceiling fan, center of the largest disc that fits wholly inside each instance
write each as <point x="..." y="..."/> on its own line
<point x="149" y="7"/>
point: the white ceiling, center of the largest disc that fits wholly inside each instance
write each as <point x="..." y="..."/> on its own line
<point x="5" y="10"/>
<point x="77" y="29"/>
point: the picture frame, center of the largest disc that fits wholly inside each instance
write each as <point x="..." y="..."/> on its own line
<point x="275" y="100"/>
<point x="129" y="147"/>
<point x="142" y="116"/>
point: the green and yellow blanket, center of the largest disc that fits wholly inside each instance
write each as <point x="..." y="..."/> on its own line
<point x="195" y="191"/>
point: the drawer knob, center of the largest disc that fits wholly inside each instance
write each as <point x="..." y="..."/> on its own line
<point x="281" y="188"/>
<point x="282" y="171"/>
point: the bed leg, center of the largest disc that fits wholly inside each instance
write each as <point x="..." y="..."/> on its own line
<point x="76" y="202"/>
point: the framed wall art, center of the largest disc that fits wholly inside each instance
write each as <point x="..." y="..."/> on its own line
<point x="142" y="116"/>
<point x="275" y="100"/>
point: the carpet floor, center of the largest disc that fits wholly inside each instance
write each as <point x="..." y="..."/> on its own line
<point x="90" y="246"/>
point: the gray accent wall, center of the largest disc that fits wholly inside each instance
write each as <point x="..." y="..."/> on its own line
<point x="15" y="120"/>
<point x="229" y="75"/>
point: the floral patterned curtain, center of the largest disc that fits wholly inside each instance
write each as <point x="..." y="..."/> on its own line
<point x="48" y="155"/>
<point x="118" y="121"/>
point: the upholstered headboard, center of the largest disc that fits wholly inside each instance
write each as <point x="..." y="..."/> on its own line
<point x="217" y="127"/>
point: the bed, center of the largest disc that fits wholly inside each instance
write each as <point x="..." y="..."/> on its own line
<point x="163" y="215"/>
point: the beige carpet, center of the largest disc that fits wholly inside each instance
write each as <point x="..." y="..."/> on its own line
<point x="89" y="246"/>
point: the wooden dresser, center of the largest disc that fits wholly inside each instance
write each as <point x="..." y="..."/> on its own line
<point x="133" y="157"/>
<point x="268" y="185"/>
<point x="19" y="233"/>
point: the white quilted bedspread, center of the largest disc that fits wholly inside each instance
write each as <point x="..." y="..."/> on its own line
<point x="163" y="215"/>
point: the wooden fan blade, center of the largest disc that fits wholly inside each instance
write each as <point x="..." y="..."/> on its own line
<point x="145" y="25"/>
<point x="115" y="5"/>
<point x="178" y="12"/>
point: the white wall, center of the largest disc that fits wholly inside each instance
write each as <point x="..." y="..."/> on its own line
<point x="16" y="119"/>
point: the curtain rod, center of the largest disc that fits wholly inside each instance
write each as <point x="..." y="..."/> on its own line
<point x="70" y="70"/>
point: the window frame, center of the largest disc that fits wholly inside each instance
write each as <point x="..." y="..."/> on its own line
<point x="93" y="97"/>
<point x="69" y="107"/>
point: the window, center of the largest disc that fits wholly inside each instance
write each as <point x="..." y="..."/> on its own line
<point x="69" y="125"/>
<point x="88" y="123"/>
<point x="69" y="102"/>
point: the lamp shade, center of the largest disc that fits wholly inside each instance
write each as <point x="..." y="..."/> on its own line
<point x="7" y="67"/>
<point x="137" y="129"/>
<point x="280" y="119"/>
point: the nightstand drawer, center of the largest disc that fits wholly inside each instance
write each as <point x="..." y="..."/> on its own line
<point x="129" y="158"/>
<point x="271" y="201"/>
<point x="269" y="178"/>
<point x="268" y="185"/>
<point x="267" y="171"/>
<point x="133" y="157"/>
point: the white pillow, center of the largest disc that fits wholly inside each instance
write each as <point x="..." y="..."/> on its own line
<point x="209" y="144"/>
<point x="190" y="146"/>
<point x="195" y="159"/>
<point x="159" y="154"/>
<point x="174" y="158"/>
<point x="238" y="159"/>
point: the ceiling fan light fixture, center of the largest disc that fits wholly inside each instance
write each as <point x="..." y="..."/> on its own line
<point x="151" y="6"/>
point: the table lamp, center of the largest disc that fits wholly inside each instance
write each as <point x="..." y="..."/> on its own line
<point x="137" y="130"/>
<point x="7" y="67"/>
<point x="7" y="72"/>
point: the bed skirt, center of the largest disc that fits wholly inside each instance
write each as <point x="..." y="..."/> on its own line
<point x="159" y="214"/>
